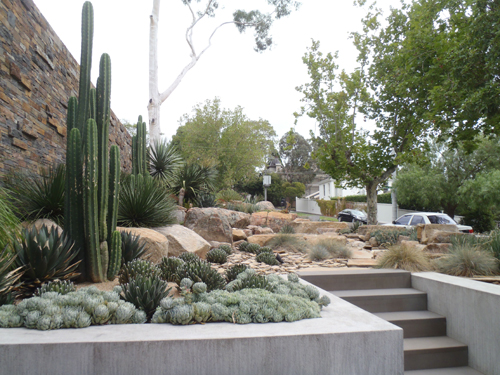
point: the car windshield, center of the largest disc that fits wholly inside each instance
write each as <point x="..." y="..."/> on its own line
<point x="403" y="220"/>
<point x="441" y="219"/>
<point x="357" y="213"/>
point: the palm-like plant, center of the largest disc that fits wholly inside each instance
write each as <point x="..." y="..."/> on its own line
<point x="145" y="202"/>
<point x="164" y="160"/>
<point x="194" y="179"/>
<point x="40" y="196"/>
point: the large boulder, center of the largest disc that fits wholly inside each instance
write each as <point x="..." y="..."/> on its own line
<point x="265" y="206"/>
<point x="184" y="240"/>
<point x="426" y="232"/>
<point x="273" y="220"/>
<point x="236" y="219"/>
<point x="210" y="223"/>
<point x="156" y="244"/>
<point x="315" y="238"/>
<point x="314" y="227"/>
<point x="261" y="239"/>
<point x="180" y="214"/>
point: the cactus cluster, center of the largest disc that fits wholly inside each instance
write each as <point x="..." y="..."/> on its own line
<point x="232" y="272"/>
<point x="243" y="306"/>
<point x="137" y="267"/>
<point x="268" y="258"/>
<point x="85" y="307"/>
<point x="253" y="248"/>
<point x="217" y="256"/>
<point x="227" y="249"/>
<point x="200" y="271"/>
<point x="58" y="286"/>
<point x="92" y="176"/>
<point x="189" y="257"/>
<point x="168" y="267"/>
<point x="248" y="279"/>
<point x="243" y="246"/>
<point x="139" y="151"/>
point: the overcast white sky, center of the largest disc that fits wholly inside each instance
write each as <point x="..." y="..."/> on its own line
<point x="262" y="83"/>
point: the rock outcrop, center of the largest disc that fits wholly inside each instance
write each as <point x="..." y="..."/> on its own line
<point x="210" y="223"/>
<point x="273" y="220"/>
<point x="184" y="240"/>
<point x="156" y="244"/>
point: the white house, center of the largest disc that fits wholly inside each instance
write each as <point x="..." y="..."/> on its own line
<point x="327" y="190"/>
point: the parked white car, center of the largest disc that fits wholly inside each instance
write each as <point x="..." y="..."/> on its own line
<point x="410" y="220"/>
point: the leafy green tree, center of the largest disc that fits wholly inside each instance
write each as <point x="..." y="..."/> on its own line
<point x="226" y="139"/>
<point x="291" y="190"/>
<point x="296" y="159"/>
<point x="452" y="181"/>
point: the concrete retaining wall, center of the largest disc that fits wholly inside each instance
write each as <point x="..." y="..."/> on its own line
<point x="472" y="315"/>
<point x="345" y="341"/>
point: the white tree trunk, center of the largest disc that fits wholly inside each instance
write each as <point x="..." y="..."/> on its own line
<point x="154" y="95"/>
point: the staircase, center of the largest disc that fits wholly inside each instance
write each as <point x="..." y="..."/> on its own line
<point x="389" y="295"/>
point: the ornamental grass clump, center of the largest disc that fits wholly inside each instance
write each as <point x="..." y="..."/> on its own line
<point x="287" y="229"/>
<point x="466" y="260"/>
<point x="405" y="257"/>
<point x="288" y="242"/>
<point x="336" y="249"/>
<point x="80" y="309"/>
<point x="317" y="253"/>
<point x="8" y="277"/>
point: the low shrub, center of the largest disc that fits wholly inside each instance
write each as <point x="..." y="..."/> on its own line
<point x="390" y="237"/>
<point x="404" y="257"/>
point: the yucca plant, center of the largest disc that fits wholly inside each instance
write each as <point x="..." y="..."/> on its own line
<point x="164" y="161"/>
<point x="40" y="196"/>
<point x="9" y="229"/>
<point x="145" y="202"/>
<point x="137" y="267"/>
<point x="194" y="179"/>
<point x="131" y="247"/>
<point x="469" y="261"/>
<point x="45" y="255"/>
<point x="145" y="292"/>
<point x="405" y="257"/>
<point x="168" y="267"/>
<point x="232" y="272"/>
<point x="8" y="277"/>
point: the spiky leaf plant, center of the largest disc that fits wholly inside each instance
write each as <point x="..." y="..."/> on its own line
<point x="253" y="248"/>
<point x="232" y="272"/>
<point x="10" y="228"/>
<point x="40" y="196"/>
<point x="268" y="258"/>
<point x="58" y="286"/>
<point x="189" y="257"/>
<point x="164" y="160"/>
<point x="205" y="200"/>
<point x="217" y="256"/>
<point x="287" y="229"/>
<point x="145" y="292"/>
<point x="131" y="247"/>
<point x="145" y="202"/>
<point x="405" y="257"/>
<point x="468" y="261"/>
<point x="138" y="267"/>
<point x="8" y="277"/>
<point x="45" y="255"/>
<point x="168" y="267"/>
<point x="227" y="249"/>
<point x="194" y="179"/>
<point x="200" y="271"/>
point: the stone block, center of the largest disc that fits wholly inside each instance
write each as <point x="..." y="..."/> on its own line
<point x="182" y="240"/>
<point x="426" y="231"/>
<point x="313" y="227"/>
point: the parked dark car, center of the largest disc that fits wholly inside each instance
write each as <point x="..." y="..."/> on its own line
<point x="351" y="216"/>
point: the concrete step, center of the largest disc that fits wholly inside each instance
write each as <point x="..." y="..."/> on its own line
<point x="445" y="371"/>
<point x="434" y="352"/>
<point x="358" y="279"/>
<point x="385" y="300"/>
<point x="417" y="323"/>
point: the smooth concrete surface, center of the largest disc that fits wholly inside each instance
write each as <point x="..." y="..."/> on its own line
<point x="445" y="371"/>
<point x="472" y="315"/>
<point x="345" y="341"/>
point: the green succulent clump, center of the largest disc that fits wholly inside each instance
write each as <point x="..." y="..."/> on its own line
<point x="85" y="307"/>
<point x="232" y="272"/>
<point x="243" y="246"/>
<point x="168" y="267"/>
<point x="137" y="267"/>
<point x="145" y="292"/>
<point x="58" y="286"/>
<point x="253" y="248"/>
<point x="293" y="287"/>
<point x="227" y="249"/>
<point x="200" y="271"/>
<point x="131" y="247"/>
<point x="268" y="258"/>
<point x="189" y="257"/>
<point x="247" y="279"/>
<point x="264" y="249"/>
<point x="217" y="256"/>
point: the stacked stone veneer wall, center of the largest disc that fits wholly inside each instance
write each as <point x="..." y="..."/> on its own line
<point x="37" y="76"/>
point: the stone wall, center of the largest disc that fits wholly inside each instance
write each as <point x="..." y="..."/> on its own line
<point x="37" y="76"/>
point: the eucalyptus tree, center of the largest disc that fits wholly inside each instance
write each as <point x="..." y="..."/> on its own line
<point x="259" y="21"/>
<point x="295" y="153"/>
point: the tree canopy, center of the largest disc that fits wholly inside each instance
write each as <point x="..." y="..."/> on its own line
<point x="295" y="153"/>
<point x="225" y="139"/>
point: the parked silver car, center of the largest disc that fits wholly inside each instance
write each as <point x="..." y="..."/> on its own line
<point x="410" y="220"/>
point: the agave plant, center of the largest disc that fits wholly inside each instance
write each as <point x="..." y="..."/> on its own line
<point x="138" y="267"/>
<point x="145" y="202"/>
<point x="145" y="292"/>
<point x="40" y="196"/>
<point x="200" y="271"/>
<point x="45" y="255"/>
<point x="194" y="179"/>
<point x="164" y="160"/>
<point x="8" y="277"/>
<point x="131" y="247"/>
<point x="206" y="199"/>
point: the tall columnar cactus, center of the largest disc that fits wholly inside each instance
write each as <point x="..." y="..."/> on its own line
<point x="93" y="178"/>
<point x="139" y="157"/>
